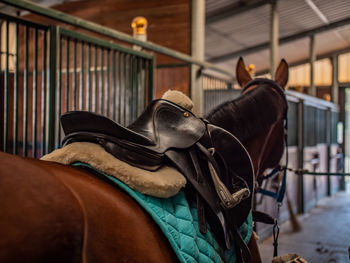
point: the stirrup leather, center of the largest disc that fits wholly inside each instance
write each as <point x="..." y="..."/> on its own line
<point x="227" y="199"/>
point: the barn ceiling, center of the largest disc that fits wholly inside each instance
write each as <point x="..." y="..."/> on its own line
<point x="241" y="27"/>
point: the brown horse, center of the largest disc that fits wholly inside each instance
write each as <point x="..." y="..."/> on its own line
<point x="55" y="213"/>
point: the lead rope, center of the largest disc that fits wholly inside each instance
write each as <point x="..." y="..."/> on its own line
<point x="276" y="232"/>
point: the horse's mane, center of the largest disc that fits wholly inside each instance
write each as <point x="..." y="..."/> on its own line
<point x="251" y="113"/>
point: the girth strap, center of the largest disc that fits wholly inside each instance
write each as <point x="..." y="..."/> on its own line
<point x="199" y="200"/>
<point x="193" y="172"/>
<point x="180" y="160"/>
<point x="241" y="247"/>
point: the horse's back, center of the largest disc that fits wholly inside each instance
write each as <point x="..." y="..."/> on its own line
<point x="118" y="229"/>
<point x="39" y="215"/>
<point x="111" y="226"/>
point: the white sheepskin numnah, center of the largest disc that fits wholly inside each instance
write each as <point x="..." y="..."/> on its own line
<point x="179" y="98"/>
<point x="163" y="183"/>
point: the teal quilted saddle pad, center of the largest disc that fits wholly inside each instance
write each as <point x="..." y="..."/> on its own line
<point x="179" y="223"/>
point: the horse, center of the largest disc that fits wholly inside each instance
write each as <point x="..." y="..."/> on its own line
<point x="257" y="118"/>
<point x="56" y="213"/>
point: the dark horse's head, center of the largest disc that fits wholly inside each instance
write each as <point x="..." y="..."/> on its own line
<point x="257" y="116"/>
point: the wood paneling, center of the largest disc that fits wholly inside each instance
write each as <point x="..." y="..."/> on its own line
<point x="172" y="78"/>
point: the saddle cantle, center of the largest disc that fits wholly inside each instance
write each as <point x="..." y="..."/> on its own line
<point x="214" y="161"/>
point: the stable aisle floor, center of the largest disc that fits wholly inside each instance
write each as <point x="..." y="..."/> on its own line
<point x="325" y="234"/>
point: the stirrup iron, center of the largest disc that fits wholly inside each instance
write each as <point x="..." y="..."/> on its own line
<point x="227" y="199"/>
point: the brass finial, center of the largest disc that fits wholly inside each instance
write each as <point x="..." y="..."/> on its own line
<point x="139" y="25"/>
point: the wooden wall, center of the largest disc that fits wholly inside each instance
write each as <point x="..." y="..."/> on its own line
<point x="168" y="25"/>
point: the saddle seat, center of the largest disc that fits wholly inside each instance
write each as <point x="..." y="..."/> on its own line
<point x="214" y="162"/>
<point x="163" y="125"/>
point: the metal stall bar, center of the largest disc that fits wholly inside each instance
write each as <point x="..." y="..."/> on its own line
<point x="107" y="99"/>
<point x="131" y="88"/>
<point x="67" y="73"/>
<point x="15" y="97"/>
<point x="101" y="86"/>
<point x="140" y="104"/>
<point x="94" y="109"/>
<point x="136" y="73"/>
<point x="74" y="86"/>
<point x="120" y="86"/>
<point x="35" y="93"/>
<point x="114" y="85"/>
<point x="43" y="96"/>
<point x="59" y="88"/>
<point x="102" y="80"/>
<point x="125" y="87"/>
<point x="135" y="87"/>
<point x="88" y="81"/>
<point x="25" y="92"/>
<point x="6" y="88"/>
<point x="52" y="89"/>
<point x="82" y="84"/>
<point x="144" y="81"/>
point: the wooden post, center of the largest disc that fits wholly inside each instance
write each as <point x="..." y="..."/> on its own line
<point x="312" y="91"/>
<point x="273" y="38"/>
<point x="335" y="84"/>
<point x="197" y="52"/>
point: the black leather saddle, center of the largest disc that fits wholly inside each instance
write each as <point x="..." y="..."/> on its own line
<point x="215" y="163"/>
<point x="163" y="125"/>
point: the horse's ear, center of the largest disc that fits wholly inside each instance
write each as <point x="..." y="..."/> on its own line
<point x="281" y="75"/>
<point x="242" y="75"/>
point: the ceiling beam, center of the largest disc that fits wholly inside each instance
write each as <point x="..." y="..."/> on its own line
<point x="282" y="40"/>
<point x="307" y="60"/>
<point x="232" y="10"/>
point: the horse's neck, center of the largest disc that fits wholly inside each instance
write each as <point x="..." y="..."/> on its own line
<point x="258" y="150"/>
<point x="256" y="119"/>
